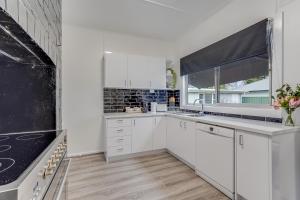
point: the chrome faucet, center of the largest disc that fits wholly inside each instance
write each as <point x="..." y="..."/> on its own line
<point x="201" y="113"/>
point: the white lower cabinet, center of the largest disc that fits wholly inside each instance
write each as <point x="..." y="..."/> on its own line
<point x="253" y="166"/>
<point x="135" y="135"/>
<point x="181" y="139"/>
<point x="118" y="137"/>
<point x="142" y="137"/>
<point x="159" y="133"/>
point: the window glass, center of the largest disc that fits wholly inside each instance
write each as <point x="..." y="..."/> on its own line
<point x="201" y="87"/>
<point x="245" y="82"/>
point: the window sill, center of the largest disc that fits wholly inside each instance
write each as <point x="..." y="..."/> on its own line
<point x="252" y="110"/>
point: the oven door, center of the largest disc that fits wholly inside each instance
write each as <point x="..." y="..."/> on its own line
<point x="59" y="185"/>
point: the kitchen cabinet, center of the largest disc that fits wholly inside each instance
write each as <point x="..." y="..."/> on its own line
<point x="159" y="133"/>
<point x="173" y="133"/>
<point x="181" y="139"/>
<point x="142" y="137"/>
<point x="157" y="72"/>
<point x="134" y="71"/>
<point x="253" y="168"/>
<point x="115" y="70"/>
<point x="138" y="72"/>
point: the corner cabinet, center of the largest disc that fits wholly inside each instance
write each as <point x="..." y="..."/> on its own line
<point x="253" y="166"/>
<point x="181" y="139"/>
<point x="134" y="71"/>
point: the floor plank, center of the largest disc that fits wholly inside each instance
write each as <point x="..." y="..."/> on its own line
<point x="155" y="177"/>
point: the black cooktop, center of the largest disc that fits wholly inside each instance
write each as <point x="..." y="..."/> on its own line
<point x="18" y="151"/>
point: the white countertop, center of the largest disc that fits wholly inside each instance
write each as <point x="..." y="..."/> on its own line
<point x="266" y="128"/>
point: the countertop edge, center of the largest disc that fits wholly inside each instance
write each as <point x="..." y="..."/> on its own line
<point x="206" y="121"/>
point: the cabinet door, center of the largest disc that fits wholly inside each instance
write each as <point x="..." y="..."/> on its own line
<point x="173" y="133"/>
<point x="142" y="138"/>
<point x="157" y="74"/>
<point x="138" y="72"/>
<point x="115" y="70"/>
<point x="159" y="133"/>
<point x="253" y="166"/>
<point x="188" y="142"/>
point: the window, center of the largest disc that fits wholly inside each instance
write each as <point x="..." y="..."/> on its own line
<point x="247" y="82"/>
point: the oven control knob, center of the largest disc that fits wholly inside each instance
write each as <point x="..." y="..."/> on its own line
<point x="42" y="173"/>
<point x="49" y="172"/>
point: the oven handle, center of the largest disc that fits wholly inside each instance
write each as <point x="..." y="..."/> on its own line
<point x="61" y="185"/>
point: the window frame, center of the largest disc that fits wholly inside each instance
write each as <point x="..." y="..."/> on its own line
<point x="185" y="101"/>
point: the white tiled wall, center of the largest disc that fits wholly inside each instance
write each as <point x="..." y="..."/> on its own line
<point x="41" y="19"/>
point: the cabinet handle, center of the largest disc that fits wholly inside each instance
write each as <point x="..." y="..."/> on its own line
<point x="180" y="124"/>
<point x="155" y="121"/>
<point x="241" y="140"/>
<point x="134" y="122"/>
<point x="120" y="140"/>
<point x="120" y="130"/>
<point x="120" y="149"/>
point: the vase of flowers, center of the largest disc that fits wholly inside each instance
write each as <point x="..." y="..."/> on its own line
<point x="289" y="100"/>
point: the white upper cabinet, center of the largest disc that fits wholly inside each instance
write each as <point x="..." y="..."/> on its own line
<point x="115" y="70"/>
<point x="134" y="71"/>
<point x="253" y="174"/>
<point x="157" y="72"/>
<point x="138" y="72"/>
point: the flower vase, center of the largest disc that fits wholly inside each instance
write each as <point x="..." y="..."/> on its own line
<point x="288" y="121"/>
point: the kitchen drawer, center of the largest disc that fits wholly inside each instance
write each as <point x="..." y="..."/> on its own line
<point x="118" y="123"/>
<point x="226" y="132"/>
<point x="118" y="131"/>
<point x="119" y="150"/>
<point x="117" y="141"/>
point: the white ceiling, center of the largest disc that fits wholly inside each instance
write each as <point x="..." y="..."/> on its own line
<point x="161" y="19"/>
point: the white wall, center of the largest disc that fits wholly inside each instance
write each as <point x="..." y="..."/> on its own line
<point x="291" y="66"/>
<point x="240" y="14"/>
<point x="82" y="98"/>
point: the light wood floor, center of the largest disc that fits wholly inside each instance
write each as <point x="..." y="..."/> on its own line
<point x="155" y="177"/>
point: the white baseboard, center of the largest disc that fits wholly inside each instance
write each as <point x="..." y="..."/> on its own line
<point x="84" y="154"/>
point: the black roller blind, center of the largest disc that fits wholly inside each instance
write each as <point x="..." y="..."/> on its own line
<point x="243" y="50"/>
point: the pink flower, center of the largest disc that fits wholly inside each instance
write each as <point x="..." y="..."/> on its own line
<point x="294" y="103"/>
<point x="276" y="105"/>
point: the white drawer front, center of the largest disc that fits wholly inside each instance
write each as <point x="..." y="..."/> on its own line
<point x="119" y="150"/>
<point x="119" y="131"/>
<point x="111" y="123"/>
<point x="117" y="141"/>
